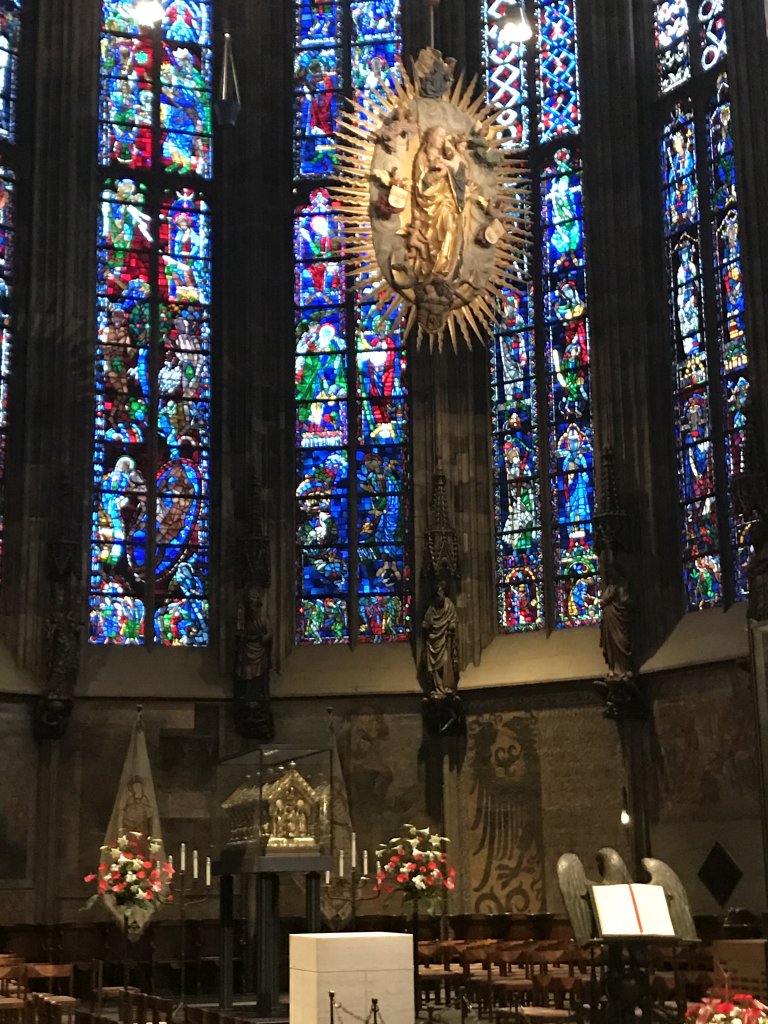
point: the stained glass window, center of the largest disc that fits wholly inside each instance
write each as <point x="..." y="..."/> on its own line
<point x="10" y="34"/>
<point x="150" y="532"/>
<point x="7" y="203"/>
<point x="350" y="370"/>
<point x="543" y="455"/>
<point x="706" y="313"/>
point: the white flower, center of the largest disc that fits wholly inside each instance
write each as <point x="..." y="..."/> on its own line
<point x="114" y="853"/>
<point x="154" y="845"/>
<point x="122" y="842"/>
<point x="420" y="882"/>
<point x="137" y="862"/>
<point x="130" y="877"/>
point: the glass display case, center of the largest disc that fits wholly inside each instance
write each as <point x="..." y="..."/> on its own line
<point x="275" y="809"/>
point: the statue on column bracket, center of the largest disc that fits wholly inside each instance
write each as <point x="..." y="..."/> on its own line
<point x="253" y="655"/>
<point x="618" y="687"/>
<point x="63" y="631"/>
<point x="750" y="490"/>
<point x="439" y="670"/>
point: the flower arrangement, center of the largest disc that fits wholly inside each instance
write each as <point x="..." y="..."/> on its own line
<point x="132" y="874"/>
<point x="740" y="1007"/>
<point x="415" y="865"/>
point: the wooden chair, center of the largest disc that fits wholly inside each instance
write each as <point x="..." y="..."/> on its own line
<point x="514" y="983"/>
<point x="55" y="976"/>
<point x="101" y="993"/>
<point x="13" y="993"/>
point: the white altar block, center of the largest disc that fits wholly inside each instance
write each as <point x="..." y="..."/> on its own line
<point x="358" y="967"/>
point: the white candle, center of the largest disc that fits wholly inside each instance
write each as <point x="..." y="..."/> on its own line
<point x="353" y="852"/>
<point x="194" y="864"/>
<point x="365" y="862"/>
<point x="327" y="877"/>
<point x="170" y="861"/>
<point x="207" y="870"/>
<point x="183" y="857"/>
<point x="341" y="863"/>
<point x="378" y="865"/>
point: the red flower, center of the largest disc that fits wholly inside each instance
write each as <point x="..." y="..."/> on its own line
<point x="402" y="878"/>
<point x="141" y="874"/>
<point x="169" y="899"/>
<point x="432" y="865"/>
<point x="451" y="872"/>
<point x="147" y="863"/>
<point x="102" y="887"/>
<point x="102" y="867"/>
<point x="449" y="883"/>
<point x="423" y="870"/>
<point x="88" y="878"/>
<point x="724" y="1008"/>
<point x="148" y="894"/>
<point x="115" y="874"/>
<point x="380" y="876"/>
<point x="394" y="859"/>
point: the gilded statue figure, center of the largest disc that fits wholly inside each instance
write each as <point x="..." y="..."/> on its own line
<point x="438" y="200"/>
<point x="441" y="653"/>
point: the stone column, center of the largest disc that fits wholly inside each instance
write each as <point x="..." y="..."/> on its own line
<point x="631" y="361"/>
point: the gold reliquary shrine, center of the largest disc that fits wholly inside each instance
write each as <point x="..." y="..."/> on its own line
<point x="277" y="801"/>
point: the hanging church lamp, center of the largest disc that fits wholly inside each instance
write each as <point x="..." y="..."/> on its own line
<point x="435" y="211"/>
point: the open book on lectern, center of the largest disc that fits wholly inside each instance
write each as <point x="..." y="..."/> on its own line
<point x="634" y="910"/>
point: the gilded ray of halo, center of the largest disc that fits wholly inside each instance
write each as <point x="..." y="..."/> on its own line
<point x="357" y="139"/>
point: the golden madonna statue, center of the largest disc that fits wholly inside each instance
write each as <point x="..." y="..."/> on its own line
<point x="435" y="211"/>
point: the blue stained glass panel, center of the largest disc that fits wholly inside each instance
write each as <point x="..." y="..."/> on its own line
<point x="187" y="21"/>
<point x="7" y="202"/>
<point x="318" y="22"/>
<point x="383" y="618"/>
<point x="375" y="19"/>
<point x="558" y="71"/>
<point x="375" y="65"/>
<point x="673" y="58"/>
<point x="322" y="620"/>
<point x="681" y="205"/>
<point x="10" y="38"/>
<point x="506" y="77"/>
<point x="185" y="110"/>
<point x="714" y="40"/>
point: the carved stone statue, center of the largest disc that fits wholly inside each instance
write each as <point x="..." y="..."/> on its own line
<point x="63" y="634"/>
<point x="615" y="624"/>
<point x="254" y="638"/>
<point x="441" y="648"/>
<point x="757" y="569"/>
<point x="253" y="713"/>
<point x="62" y="631"/>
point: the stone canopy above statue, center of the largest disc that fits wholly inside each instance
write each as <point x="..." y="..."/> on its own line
<point x="276" y="802"/>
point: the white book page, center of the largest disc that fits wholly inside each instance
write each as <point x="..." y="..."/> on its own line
<point x="651" y="901"/>
<point x="615" y="910"/>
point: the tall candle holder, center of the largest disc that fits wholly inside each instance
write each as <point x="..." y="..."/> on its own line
<point x="188" y="896"/>
<point x="346" y="887"/>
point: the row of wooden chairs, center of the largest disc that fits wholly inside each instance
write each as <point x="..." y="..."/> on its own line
<point x="502" y="974"/>
<point x="209" y="1015"/>
<point x="21" y="1000"/>
<point x="141" y="1008"/>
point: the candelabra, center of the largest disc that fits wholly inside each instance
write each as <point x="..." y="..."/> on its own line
<point x="347" y="887"/>
<point x="187" y="896"/>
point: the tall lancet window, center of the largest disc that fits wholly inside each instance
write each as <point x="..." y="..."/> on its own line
<point x="10" y="32"/>
<point x="151" y="503"/>
<point x="705" y="296"/>
<point x="540" y="364"/>
<point x="350" y="374"/>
